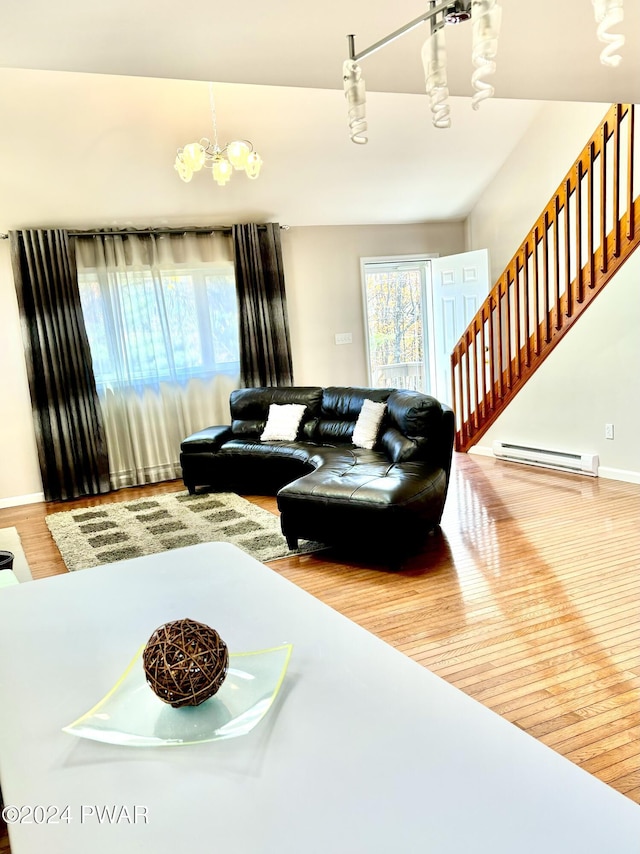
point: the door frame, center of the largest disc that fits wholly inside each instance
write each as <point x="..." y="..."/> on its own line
<point x="427" y="309"/>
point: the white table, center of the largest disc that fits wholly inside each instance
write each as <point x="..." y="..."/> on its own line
<point x="364" y="752"/>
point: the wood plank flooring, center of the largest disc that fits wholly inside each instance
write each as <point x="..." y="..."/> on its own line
<point x="528" y="600"/>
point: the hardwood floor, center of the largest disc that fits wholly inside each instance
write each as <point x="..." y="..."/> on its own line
<point x="528" y="601"/>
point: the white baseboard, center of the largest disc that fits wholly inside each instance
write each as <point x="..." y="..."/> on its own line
<point x="481" y="450"/>
<point x="619" y="474"/>
<point x="603" y="471"/>
<point x="17" y="500"/>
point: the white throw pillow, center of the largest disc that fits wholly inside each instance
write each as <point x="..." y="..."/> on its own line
<point x="365" y="432"/>
<point x="283" y="422"/>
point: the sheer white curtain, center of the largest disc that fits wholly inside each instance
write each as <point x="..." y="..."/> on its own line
<point x="162" y="320"/>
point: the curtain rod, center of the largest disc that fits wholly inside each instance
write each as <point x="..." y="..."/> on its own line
<point x="195" y="229"/>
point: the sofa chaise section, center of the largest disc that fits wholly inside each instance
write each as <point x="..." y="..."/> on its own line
<point x="328" y="489"/>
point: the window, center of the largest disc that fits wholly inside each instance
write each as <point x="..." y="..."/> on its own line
<point x="394" y="293"/>
<point x="173" y="326"/>
<point x="161" y="316"/>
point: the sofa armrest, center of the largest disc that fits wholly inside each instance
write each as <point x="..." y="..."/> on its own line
<point x="210" y="439"/>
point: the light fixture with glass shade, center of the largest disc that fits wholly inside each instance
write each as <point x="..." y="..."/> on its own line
<point x="486" y="16"/>
<point x="434" y="61"/>
<point x="354" y="92"/>
<point x="238" y="155"/>
<point x="486" y="24"/>
<point x="609" y="13"/>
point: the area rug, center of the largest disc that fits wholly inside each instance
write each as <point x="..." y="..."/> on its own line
<point x="112" y="532"/>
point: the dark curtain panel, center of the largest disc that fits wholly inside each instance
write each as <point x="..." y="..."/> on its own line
<point x="67" y="416"/>
<point x="265" y="349"/>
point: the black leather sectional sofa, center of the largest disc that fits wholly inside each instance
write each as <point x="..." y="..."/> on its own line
<point x="386" y="499"/>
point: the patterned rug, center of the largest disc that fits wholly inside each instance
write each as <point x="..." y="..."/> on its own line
<point x="111" y="532"/>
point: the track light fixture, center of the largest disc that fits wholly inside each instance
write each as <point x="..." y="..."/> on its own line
<point x="486" y="17"/>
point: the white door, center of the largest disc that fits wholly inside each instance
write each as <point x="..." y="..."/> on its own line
<point x="459" y="286"/>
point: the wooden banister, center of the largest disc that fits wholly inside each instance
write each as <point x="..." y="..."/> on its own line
<point x="576" y="246"/>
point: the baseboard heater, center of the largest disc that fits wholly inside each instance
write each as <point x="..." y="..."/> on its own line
<point x="576" y="463"/>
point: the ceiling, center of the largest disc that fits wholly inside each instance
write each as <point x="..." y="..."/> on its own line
<point x="551" y="54"/>
<point x="138" y="70"/>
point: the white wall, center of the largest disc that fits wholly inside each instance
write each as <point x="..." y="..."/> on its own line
<point x="513" y="201"/>
<point x="322" y="266"/>
<point x="591" y="378"/>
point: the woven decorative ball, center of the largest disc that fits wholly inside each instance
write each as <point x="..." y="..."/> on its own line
<point x="185" y="662"/>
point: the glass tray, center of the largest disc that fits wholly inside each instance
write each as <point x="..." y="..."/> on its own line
<point x="132" y="715"/>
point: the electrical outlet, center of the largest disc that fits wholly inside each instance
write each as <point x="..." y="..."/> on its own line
<point x="608" y="431"/>
<point x="343" y="338"/>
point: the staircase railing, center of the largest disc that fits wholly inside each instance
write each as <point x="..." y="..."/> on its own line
<point x="583" y="236"/>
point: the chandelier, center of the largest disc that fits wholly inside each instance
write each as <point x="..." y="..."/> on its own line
<point x="207" y="154"/>
<point x="485" y="16"/>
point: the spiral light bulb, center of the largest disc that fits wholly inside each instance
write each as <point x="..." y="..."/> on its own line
<point x="609" y="13"/>
<point x="355" y="94"/>
<point x="434" y="61"/>
<point x="486" y="17"/>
